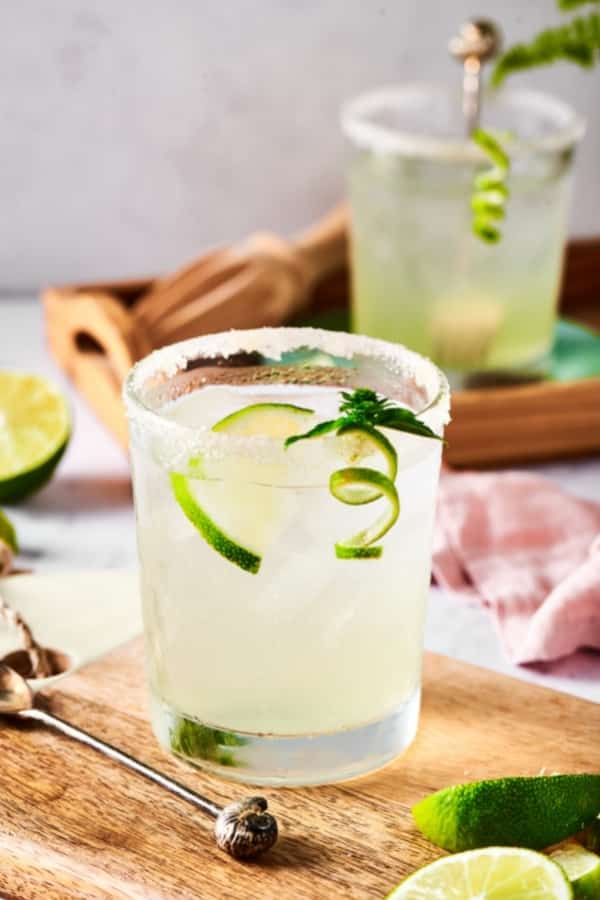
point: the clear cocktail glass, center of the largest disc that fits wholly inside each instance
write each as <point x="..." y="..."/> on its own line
<point x="284" y="587"/>
<point x="420" y="275"/>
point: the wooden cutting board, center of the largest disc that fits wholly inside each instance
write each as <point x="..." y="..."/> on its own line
<point x="75" y="825"/>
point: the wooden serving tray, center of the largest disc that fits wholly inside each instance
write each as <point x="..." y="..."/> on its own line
<point x="74" y="824"/>
<point x="94" y="338"/>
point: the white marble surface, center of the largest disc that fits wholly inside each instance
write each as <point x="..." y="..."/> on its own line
<point x="84" y="518"/>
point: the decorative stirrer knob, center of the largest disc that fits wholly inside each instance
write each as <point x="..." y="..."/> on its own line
<point x="477" y="41"/>
<point x="246" y="829"/>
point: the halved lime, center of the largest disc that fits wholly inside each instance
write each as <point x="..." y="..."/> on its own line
<point x="581" y="867"/>
<point x="352" y="486"/>
<point x="8" y="533"/>
<point x="243" y="507"/>
<point x="34" y="432"/>
<point x="522" y="812"/>
<point x="493" y="873"/>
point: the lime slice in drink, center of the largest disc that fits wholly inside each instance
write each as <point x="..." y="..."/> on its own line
<point x="275" y="420"/>
<point x="582" y="868"/>
<point x="352" y="486"/>
<point x="210" y="531"/>
<point x="34" y="432"/>
<point x="493" y="873"/>
<point x="235" y="518"/>
<point x="8" y="533"/>
<point x="522" y="812"/>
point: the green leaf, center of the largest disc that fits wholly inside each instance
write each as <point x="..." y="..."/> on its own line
<point x="577" y="41"/>
<point x="404" y="420"/>
<point x="364" y="407"/>
<point x="573" y="4"/>
<point x="319" y="430"/>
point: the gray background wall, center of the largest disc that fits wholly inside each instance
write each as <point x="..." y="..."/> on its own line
<point x="135" y="133"/>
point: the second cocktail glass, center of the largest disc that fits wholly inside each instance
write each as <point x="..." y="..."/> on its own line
<point x="420" y="276"/>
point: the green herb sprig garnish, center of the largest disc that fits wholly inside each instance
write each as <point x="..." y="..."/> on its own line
<point x="362" y="413"/>
<point x="364" y="407"/>
<point x="490" y="190"/>
<point x="577" y="41"/>
<point x="566" y="5"/>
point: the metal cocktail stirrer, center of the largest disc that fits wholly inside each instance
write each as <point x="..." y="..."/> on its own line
<point x="243" y="829"/>
<point x="477" y="41"/>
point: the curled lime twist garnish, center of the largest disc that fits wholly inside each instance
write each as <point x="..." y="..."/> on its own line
<point x="350" y="485"/>
<point x="360" y="413"/>
<point x="490" y="191"/>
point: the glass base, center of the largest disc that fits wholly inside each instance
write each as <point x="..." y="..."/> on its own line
<point x="286" y="761"/>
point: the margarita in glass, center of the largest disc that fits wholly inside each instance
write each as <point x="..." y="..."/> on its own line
<point x="284" y="581"/>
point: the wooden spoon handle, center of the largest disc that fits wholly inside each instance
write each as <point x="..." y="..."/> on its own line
<point x="255" y="297"/>
<point x="81" y="320"/>
<point x="323" y="247"/>
<point x="173" y="291"/>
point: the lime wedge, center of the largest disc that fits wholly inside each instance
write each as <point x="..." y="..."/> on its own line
<point x="240" y="503"/>
<point x="494" y="873"/>
<point x="34" y="432"/>
<point x="8" y="533"/>
<point x="352" y="486"/>
<point x="581" y="867"/>
<point x="523" y="812"/>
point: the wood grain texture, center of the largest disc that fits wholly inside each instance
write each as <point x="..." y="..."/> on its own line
<point x="75" y="825"/>
<point x="516" y="424"/>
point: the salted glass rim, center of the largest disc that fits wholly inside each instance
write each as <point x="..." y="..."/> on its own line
<point x="272" y="342"/>
<point x="371" y="135"/>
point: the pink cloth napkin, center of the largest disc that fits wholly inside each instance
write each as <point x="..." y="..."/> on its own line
<point x="529" y="552"/>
